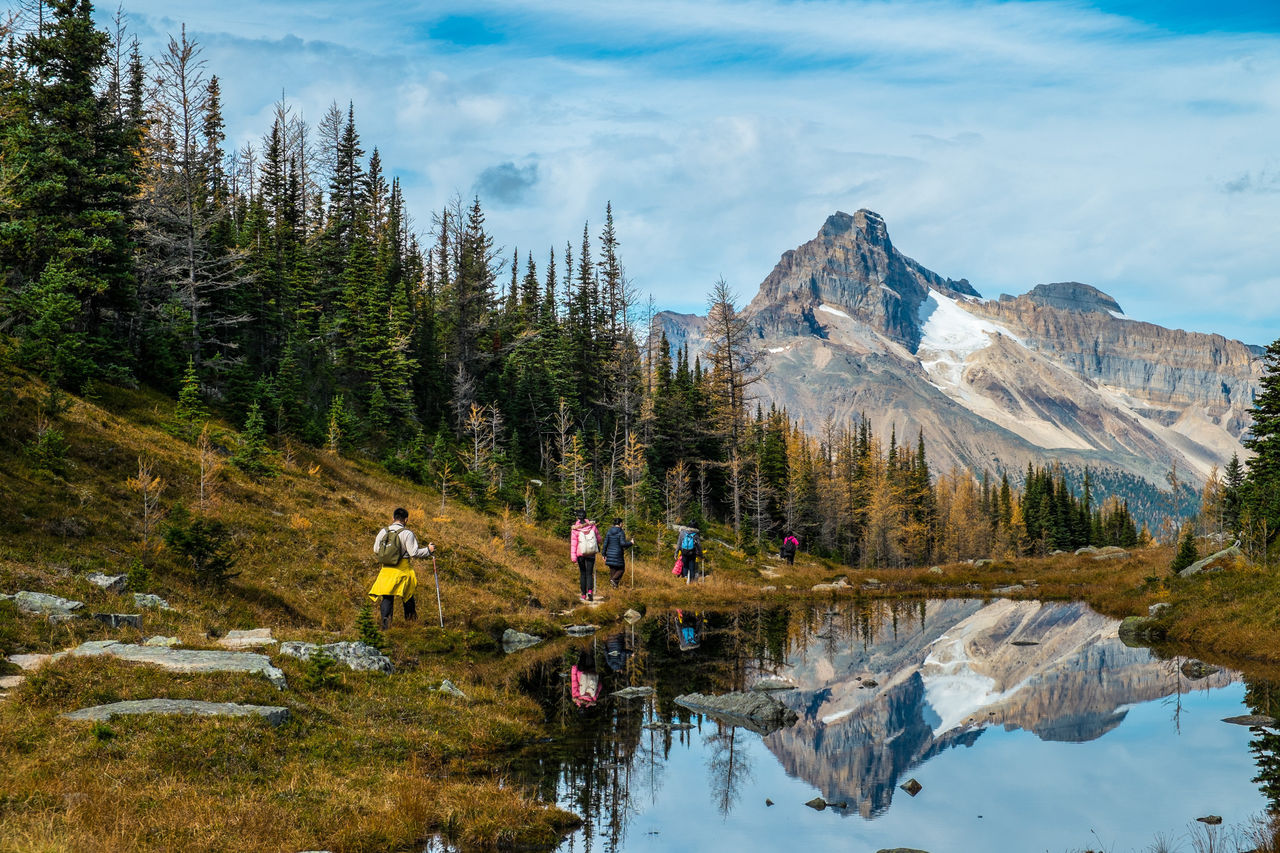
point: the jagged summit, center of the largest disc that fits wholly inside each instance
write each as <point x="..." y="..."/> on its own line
<point x="852" y="326"/>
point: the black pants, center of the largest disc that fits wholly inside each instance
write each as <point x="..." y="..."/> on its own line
<point x="586" y="573"/>
<point x="690" y="568"/>
<point x="615" y="573"/>
<point x="790" y="558"/>
<point x="388" y="602"/>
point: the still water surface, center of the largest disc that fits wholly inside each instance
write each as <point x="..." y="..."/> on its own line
<point x="1030" y="727"/>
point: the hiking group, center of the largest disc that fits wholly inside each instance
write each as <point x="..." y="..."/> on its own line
<point x="396" y="544"/>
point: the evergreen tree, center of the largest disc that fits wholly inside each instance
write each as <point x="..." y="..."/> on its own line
<point x="1187" y="553"/>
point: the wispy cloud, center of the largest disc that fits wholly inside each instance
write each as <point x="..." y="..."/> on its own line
<point x="1007" y="142"/>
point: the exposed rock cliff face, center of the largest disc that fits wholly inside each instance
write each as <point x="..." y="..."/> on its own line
<point x="852" y="326"/>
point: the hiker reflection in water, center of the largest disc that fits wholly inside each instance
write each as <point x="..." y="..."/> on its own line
<point x="688" y="630"/>
<point x="585" y="681"/>
<point x="616" y="651"/>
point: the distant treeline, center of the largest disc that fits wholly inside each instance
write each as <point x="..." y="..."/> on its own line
<point x="284" y="286"/>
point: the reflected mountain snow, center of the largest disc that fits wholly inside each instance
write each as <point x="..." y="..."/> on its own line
<point x="880" y="694"/>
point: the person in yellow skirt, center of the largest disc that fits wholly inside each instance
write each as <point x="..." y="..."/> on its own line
<point x="398" y="580"/>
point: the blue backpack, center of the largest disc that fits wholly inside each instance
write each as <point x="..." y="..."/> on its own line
<point x="689" y="541"/>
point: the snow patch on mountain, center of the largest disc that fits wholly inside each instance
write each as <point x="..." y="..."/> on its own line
<point x="829" y="310"/>
<point x="948" y="335"/>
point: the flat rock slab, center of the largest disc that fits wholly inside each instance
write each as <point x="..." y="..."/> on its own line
<point x="1253" y="720"/>
<point x="8" y="682"/>
<point x="759" y="712"/>
<point x="1111" y="552"/>
<point x="183" y="660"/>
<point x="249" y="639"/>
<point x="1005" y="590"/>
<point x="273" y="714"/>
<point x="360" y="657"/>
<point x="1212" y="563"/>
<point x="43" y="604"/>
<point x="581" y="630"/>
<point x="30" y="662"/>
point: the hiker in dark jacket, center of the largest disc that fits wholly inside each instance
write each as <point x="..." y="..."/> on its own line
<point x="689" y="556"/>
<point x="614" y="550"/>
<point x="788" y="550"/>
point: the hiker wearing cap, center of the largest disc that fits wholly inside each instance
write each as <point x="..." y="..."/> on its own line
<point x="584" y="544"/>
<point x="394" y="545"/>
<point x="614" y="550"/>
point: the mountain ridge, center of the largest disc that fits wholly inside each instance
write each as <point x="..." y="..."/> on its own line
<point x="851" y="326"/>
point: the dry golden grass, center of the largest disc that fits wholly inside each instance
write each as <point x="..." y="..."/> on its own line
<point x="373" y="763"/>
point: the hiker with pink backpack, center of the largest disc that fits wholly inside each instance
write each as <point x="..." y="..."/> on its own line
<point x="584" y="544"/>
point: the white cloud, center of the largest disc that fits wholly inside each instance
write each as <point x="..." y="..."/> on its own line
<point x="1009" y="143"/>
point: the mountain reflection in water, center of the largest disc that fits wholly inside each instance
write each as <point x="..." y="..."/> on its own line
<point x="884" y="691"/>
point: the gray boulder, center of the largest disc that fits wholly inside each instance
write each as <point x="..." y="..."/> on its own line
<point x="759" y="712"/>
<point x="1111" y="552"/>
<point x="43" y="604"/>
<point x="514" y="641"/>
<point x="1212" y="563"/>
<point x="159" y="641"/>
<point x="1253" y="720"/>
<point x="1158" y="608"/>
<point x="773" y="684"/>
<point x="632" y="692"/>
<point x="1087" y="549"/>
<point x="360" y="657"/>
<point x="146" y="599"/>
<point x="1198" y="669"/>
<point x="448" y="687"/>
<point x="581" y="630"/>
<point x="1006" y="590"/>
<point x="116" y="620"/>
<point x="1140" y="630"/>
<point x="249" y="639"/>
<point x="111" y="583"/>
<point x="273" y="714"/>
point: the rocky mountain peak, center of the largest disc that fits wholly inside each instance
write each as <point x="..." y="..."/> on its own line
<point x="869" y="224"/>
<point x="1070" y="296"/>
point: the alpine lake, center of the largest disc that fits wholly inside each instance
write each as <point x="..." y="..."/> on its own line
<point x="939" y="725"/>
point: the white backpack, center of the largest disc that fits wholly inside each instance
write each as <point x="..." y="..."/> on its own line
<point x="587" y="544"/>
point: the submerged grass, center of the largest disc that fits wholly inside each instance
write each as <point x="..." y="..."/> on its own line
<point x="367" y="761"/>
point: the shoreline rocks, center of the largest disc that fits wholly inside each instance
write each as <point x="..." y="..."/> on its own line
<point x="757" y="711"/>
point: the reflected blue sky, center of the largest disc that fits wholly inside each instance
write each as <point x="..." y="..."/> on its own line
<point x="1010" y="791"/>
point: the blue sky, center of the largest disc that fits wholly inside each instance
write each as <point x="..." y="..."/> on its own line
<point x="1132" y="144"/>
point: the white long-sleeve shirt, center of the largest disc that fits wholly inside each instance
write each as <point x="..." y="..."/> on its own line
<point x="408" y="542"/>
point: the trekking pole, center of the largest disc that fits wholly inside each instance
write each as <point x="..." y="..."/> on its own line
<point x="436" y="575"/>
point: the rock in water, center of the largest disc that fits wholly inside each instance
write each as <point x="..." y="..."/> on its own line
<point x="1197" y="669"/>
<point x="581" y="630"/>
<point x="817" y="804"/>
<point x="911" y="786"/>
<point x="1253" y="720"/>
<point x="757" y="711"/>
<point x="767" y="684"/>
<point x="273" y="714"/>
<point x="632" y="617"/>
<point x="514" y="641"/>
<point x="632" y="692"/>
<point x="1212" y="819"/>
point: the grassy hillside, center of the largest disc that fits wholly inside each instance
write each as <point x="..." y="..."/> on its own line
<point x="367" y="762"/>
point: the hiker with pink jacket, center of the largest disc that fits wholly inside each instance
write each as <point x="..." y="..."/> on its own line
<point x="584" y="544"/>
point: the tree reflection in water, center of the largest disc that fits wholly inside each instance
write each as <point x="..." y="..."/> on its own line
<point x="1263" y="697"/>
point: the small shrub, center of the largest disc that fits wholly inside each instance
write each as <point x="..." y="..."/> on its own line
<point x="1187" y="553"/>
<point x="368" y="628"/>
<point x="206" y="543"/>
<point x="101" y="732"/>
<point x="139" y="575"/>
<point x="319" y="674"/>
<point x="48" y="450"/>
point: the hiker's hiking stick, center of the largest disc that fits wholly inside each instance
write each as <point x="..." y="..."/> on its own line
<point x="436" y="575"/>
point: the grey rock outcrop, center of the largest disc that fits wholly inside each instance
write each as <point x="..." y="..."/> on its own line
<point x="514" y="641"/>
<point x="111" y="583"/>
<point x="357" y="656"/>
<point x="119" y="620"/>
<point x="1258" y="720"/>
<point x="273" y="714"/>
<point x="757" y="711"/>
<point x="581" y="630"/>
<point x="43" y="604"/>
<point x="146" y="599"/>
<point x="183" y="660"/>
<point x="1140" y="630"/>
<point x="1198" y="669"/>
<point x="449" y="688"/>
<point x="1213" y="563"/>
